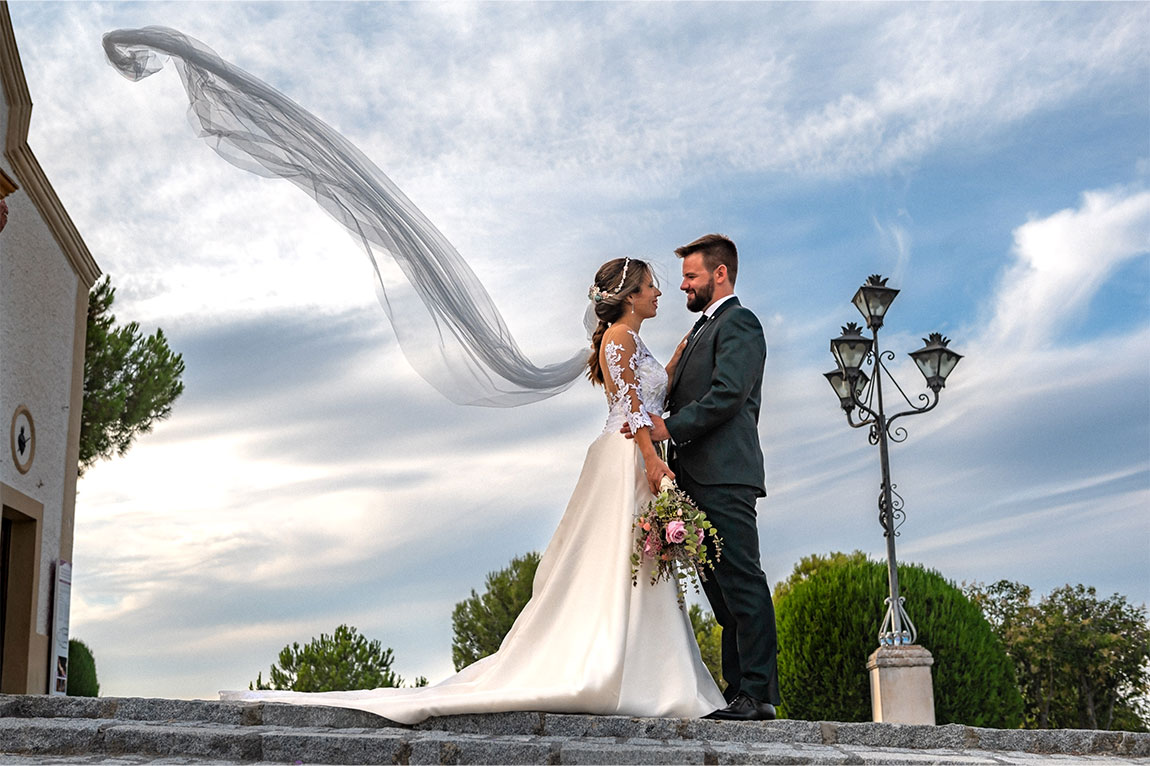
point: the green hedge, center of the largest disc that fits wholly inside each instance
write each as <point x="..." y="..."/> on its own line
<point x="828" y="624"/>
<point x="81" y="670"/>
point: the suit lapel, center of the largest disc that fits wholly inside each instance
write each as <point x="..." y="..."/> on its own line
<point x="706" y="329"/>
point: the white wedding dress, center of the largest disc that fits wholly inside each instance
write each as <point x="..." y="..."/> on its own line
<point x="588" y="641"/>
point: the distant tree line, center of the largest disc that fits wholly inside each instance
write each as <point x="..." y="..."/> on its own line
<point x="1071" y="660"/>
<point x="1082" y="662"/>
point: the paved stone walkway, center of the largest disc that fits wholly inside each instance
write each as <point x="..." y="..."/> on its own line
<point x="128" y="731"/>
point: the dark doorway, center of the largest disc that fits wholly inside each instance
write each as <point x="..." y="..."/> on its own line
<point x="5" y="558"/>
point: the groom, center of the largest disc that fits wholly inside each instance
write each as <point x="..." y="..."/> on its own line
<point x="714" y="403"/>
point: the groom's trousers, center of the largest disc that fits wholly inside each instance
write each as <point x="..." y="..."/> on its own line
<point x="738" y="591"/>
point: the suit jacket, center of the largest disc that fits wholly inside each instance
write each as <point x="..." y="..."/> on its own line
<point x="714" y="400"/>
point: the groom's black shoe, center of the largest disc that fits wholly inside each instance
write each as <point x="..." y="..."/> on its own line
<point x="744" y="709"/>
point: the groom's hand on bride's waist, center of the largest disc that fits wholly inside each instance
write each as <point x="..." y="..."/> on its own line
<point x="658" y="430"/>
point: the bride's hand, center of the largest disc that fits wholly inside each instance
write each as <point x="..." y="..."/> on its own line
<point x="675" y="356"/>
<point x="656" y="470"/>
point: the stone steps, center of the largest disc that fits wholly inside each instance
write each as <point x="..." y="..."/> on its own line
<point x="51" y="730"/>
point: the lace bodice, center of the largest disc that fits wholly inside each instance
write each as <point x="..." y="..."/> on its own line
<point x="635" y="381"/>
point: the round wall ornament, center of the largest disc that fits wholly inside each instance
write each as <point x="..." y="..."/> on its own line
<point x="23" y="439"/>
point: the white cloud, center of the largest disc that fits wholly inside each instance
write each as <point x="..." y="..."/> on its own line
<point x="503" y="124"/>
<point x="1060" y="262"/>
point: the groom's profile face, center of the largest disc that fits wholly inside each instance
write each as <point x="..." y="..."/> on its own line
<point x="698" y="283"/>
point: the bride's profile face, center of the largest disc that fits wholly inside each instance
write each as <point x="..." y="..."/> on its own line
<point x="646" y="301"/>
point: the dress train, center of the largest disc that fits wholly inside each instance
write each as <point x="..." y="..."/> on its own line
<point x="588" y="641"/>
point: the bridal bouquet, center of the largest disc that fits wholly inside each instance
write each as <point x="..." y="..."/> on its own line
<point x="671" y="532"/>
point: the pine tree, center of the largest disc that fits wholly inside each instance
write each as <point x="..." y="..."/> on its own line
<point x="130" y="381"/>
<point x="342" y="661"/>
<point x="480" y="622"/>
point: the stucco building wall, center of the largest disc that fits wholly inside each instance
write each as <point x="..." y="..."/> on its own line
<point x="37" y="334"/>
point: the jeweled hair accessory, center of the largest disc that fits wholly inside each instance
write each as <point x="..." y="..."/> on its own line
<point x="597" y="295"/>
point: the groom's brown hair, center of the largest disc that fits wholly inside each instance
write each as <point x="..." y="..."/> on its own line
<point x="717" y="250"/>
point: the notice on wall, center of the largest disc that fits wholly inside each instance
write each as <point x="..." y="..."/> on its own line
<point x="61" y="603"/>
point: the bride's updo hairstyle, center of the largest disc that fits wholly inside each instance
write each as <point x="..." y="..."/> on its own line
<point x="614" y="282"/>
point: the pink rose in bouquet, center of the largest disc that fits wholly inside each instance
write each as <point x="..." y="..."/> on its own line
<point x="676" y="532"/>
<point x="664" y="527"/>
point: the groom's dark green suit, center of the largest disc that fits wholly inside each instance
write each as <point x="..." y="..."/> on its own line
<point x="713" y="422"/>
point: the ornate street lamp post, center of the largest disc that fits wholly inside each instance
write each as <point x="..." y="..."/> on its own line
<point x="857" y="390"/>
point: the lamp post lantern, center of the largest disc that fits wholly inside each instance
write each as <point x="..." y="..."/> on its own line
<point x="901" y="689"/>
<point x="856" y="390"/>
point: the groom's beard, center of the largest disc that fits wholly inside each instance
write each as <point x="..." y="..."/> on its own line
<point x="698" y="300"/>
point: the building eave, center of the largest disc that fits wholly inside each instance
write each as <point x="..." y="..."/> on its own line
<point x="23" y="161"/>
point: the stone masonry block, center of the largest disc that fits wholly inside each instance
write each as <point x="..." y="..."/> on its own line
<point x="563" y="725"/>
<point x="43" y="706"/>
<point x="900" y="735"/>
<point x="337" y="747"/>
<point x="448" y="748"/>
<point x="776" y="753"/>
<point x="221" y="742"/>
<point x="321" y="716"/>
<point x="614" y="726"/>
<point x="51" y="736"/>
<point x="503" y="750"/>
<point x="1135" y="745"/>
<point x="165" y="710"/>
<point x="881" y="756"/>
<point x="1067" y="741"/>
<point x="592" y="752"/>
<point x="671" y="729"/>
<point x="752" y="731"/>
<point x="486" y="723"/>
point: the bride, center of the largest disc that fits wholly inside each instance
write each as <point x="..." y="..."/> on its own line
<point x="588" y="641"/>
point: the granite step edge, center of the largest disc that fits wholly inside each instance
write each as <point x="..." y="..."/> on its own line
<point x="253" y="744"/>
<point x="88" y="737"/>
<point x="949" y="736"/>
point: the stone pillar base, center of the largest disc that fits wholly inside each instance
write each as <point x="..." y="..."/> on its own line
<point x="900" y="685"/>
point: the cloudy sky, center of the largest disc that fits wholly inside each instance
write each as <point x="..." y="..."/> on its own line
<point x="991" y="159"/>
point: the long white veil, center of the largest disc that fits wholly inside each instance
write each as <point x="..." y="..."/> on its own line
<point x="446" y="323"/>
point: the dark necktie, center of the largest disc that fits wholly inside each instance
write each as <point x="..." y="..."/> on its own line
<point x="698" y="325"/>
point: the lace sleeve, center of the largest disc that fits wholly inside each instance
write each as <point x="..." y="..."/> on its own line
<point x="622" y="355"/>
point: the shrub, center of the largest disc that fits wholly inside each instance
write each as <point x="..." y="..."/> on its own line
<point x="828" y="622"/>
<point x="709" y="637"/>
<point x="342" y="661"/>
<point x="82" y="680"/>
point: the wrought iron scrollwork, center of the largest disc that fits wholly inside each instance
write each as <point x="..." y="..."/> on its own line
<point x="887" y="635"/>
<point x="898" y="515"/>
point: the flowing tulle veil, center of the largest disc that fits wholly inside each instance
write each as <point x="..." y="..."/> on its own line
<point x="446" y="323"/>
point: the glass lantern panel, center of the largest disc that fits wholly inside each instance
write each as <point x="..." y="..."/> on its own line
<point x="838" y="383"/>
<point x="927" y="361"/>
<point x="850" y="352"/>
<point x="947" y="363"/>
